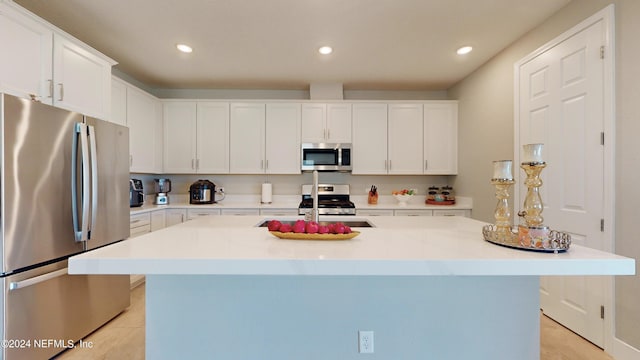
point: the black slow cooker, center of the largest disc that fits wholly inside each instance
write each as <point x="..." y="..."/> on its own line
<point x="202" y="192"/>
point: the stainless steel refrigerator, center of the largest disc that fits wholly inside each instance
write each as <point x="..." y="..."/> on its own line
<point x="64" y="189"/>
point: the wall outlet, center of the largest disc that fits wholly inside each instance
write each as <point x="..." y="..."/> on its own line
<point x="365" y="342"/>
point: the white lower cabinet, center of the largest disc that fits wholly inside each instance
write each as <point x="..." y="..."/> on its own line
<point x="447" y="212"/>
<point x="158" y="220"/>
<point x="240" y="212"/>
<point x="195" y="213"/>
<point x="416" y="212"/>
<point x="139" y="224"/>
<point x="374" y="212"/>
<point x="279" y="212"/>
<point x="174" y="216"/>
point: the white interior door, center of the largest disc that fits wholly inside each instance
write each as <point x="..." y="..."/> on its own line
<point x="561" y="97"/>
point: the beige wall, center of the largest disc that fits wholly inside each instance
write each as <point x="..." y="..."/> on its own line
<point x="486" y="134"/>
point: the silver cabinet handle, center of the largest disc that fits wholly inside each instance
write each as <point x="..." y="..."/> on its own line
<point x="425" y="164"/>
<point x="328" y="133"/>
<point x="261" y="164"/>
<point x="197" y="164"/>
<point x="386" y="165"/>
<point x="130" y="161"/>
<point x="15" y="285"/>
<point x="193" y="164"/>
<point x="61" y="92"/>
<point x="389" y="164"/>
<point x="267" y="162"/>
<point x="50" y="88"/>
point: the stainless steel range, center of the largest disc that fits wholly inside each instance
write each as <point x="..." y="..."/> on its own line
<point x="332" y="200"/>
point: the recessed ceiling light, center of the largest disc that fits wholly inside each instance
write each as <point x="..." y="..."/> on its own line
<point x="464" y="50"/>
<point x="325" y="50"/>
<point x="184" y="48"/>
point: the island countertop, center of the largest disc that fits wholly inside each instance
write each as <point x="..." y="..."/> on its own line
<point x="417" y="246"/>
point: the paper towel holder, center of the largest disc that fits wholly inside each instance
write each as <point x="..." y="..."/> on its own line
<point x="266" y="197"/>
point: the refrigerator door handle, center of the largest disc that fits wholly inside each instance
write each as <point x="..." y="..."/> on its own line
<point x="80" y="226"/>
<point x="94" y="177"/>
<point x="15" y="285"/>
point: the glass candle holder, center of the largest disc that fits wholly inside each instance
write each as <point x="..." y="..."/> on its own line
<point x="502" y="169"/>
<point x="532" y="153"/>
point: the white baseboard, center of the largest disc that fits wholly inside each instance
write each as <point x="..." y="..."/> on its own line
<point x="624" y="351"/>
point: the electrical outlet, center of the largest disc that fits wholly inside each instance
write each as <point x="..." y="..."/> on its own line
<point x="365" y="342"/>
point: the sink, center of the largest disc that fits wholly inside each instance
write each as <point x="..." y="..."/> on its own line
<point x="349" y="223"/>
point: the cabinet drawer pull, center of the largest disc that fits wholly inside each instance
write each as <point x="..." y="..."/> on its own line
<point x="61" y="92"/>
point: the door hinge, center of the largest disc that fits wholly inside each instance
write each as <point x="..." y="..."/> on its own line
<point x="602" y="138"/>
<point x="602" y="52"/>
<point x="601" y="311"/>
<point x="602" y="225"/>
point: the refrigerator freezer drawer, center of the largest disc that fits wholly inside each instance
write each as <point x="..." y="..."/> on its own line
<point x="49" y="306"/>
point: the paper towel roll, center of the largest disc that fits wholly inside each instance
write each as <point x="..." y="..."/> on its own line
<point x="266" y="193"/>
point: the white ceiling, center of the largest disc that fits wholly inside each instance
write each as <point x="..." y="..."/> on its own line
<point x="272" y="44"/>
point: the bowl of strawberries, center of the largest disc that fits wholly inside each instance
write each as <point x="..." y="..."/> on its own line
<point x="403" y="196"/>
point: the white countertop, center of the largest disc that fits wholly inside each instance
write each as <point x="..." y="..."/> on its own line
<point x="436" y="245"/>
<point x="292" y="202"/>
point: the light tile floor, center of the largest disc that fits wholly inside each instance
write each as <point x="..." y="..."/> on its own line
<point x="123" y="338"/>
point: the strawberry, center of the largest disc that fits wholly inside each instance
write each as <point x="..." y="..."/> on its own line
<point x="311" y="227"/>
<point x="285" y="228"/>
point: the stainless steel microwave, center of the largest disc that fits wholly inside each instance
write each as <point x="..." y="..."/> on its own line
<point x="326" y="157"/>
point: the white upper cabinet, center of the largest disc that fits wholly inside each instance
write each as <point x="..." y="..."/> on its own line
<point x="179" y="154"/>
<point x="38" y="59"/>
<point x="25" y="64"/>
<point x="441" y="138"/>
<point x="405" y="139"/>
<point x="82" y="80"/>
<point x="212" y="137"/>
<point x="264" y="138"/>
<point x="144" y="119"/>
<point x="196" y="137"/>
<point x="118" y="101"/>
<point x="369" y="151"/>
<point x="326" y="123"/>
<point x="282" y="139"/>
<point x="246" y="138"/>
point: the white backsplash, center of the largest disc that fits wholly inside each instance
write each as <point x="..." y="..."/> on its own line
<point x="292" y="184"/>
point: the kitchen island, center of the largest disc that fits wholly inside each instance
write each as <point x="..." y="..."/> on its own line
<point x="430" y="287"/>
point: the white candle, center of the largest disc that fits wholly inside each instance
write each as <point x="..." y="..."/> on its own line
<point x="532" y="153"/>
<point x="502" y="169"/>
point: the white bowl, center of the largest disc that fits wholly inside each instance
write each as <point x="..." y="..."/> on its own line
<point x="403" y="199"/>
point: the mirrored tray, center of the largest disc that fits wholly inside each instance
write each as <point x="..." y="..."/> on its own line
<point x="557" y="241"/>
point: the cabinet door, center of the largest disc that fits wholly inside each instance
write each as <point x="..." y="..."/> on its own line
<point x="405" y="139"/>
<point x="158" y="220"/>
<point x="82" y="80"/>
<point x="441" y="138"/>
<point x="174" y="216"/>
<point x="282" y="139"/>
<point x="338" y="123"/>
<point x="369" y="152"/>
<point x="212" y="138"/>
<point x="314" y="123"/>
<point x="25" y="63"/>
<point x="118" y="102"/>
<point x="145" y="131"/>
<point x="246" y="138"/>
<point x="179" y="137"/>
<point x="196" y="213"/>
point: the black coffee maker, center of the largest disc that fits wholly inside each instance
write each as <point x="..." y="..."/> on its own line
<point x="202" y="192"/>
